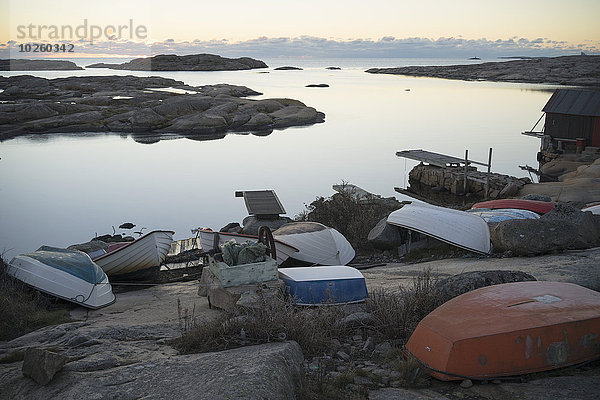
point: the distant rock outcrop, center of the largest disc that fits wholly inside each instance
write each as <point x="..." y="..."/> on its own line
<point x="288" y="68"/>
<point x="567" y="70"/>
<point x="141" y="106"/>
<point x="37" y="65"/>
<point x="194" y="62"/>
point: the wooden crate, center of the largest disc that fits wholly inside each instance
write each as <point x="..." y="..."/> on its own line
<point x="243" y="274"/>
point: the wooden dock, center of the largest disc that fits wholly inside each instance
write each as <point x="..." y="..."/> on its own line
<point x="437" y="159"/>
<point x="445" y="161"/>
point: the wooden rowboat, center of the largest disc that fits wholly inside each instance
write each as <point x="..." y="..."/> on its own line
<point x="540" y="207"/>
<point x="509" y="329"/>
<point x="146" y="252"/>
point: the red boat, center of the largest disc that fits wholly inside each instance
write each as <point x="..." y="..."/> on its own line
<point x="509" y="329"/>
<point x="540" y="207"/>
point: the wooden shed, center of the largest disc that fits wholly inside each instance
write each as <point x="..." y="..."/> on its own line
<point x="573" y="114"/>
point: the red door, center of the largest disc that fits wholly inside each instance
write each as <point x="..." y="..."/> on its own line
<point x="596" y="133"/>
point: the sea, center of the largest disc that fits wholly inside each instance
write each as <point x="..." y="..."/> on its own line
<point x="61" y="189"/>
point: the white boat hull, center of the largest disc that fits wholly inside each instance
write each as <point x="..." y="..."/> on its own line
<point x="207" y="240"/>
<point x="148" y="251"/>
<point x="455" y="227"/>
<point x="320" y="247"/>
<point x="595" y="209"/>
<point x="60" y="283"/>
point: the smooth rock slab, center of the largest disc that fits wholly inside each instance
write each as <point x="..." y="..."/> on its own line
<point x="268" y="371"/>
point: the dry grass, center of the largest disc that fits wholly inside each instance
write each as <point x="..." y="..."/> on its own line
<point x="276" y="320"/>
<point x="23" y="310"/>
<point x="398" y="313"/>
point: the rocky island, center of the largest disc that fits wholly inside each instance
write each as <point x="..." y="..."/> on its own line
<point x="37" y="65"/>
<point x="566" y="70"/>
<point x="194" y="62"/>
<point x="141" y="105"/>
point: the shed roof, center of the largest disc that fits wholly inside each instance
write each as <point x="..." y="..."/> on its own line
<point x="574" y="102"/>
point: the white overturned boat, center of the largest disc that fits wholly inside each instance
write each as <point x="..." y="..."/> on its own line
<point x="209" y="238"/>
<point x="68" y="274"/>
<point x="146" y="252"/>
<point x="456" y="227"/>
<point x="317" y="244"/>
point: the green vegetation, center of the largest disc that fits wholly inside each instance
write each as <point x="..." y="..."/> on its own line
<point x="23" y="310"/>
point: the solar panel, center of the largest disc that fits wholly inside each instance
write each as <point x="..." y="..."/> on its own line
<point x="261" y="202"/>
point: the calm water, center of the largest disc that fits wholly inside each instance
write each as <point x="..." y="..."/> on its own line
<point x="63" y="189"/>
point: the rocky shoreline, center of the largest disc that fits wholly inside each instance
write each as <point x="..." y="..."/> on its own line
<point x="566" y="70"/>
<point x="141" y="105"/>
<point x="37" y="65"/>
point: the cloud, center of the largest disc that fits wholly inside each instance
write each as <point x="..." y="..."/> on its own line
<point x="318" y="47"/>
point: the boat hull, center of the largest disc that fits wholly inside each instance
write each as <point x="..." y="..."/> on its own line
<point x="146" y="252"/>
<point x="503" y="214"/>
<point x="62" y="284"/>
<point x="455" y="227"/>
<point x="540" y="207"/>
<point x="325" y="246"/>
<point x="509" y="329"/>
<point x="207" y="241"/>
<point x="324" y="285"/>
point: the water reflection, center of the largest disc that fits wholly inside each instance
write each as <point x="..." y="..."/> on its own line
<point x="61" y="189"/>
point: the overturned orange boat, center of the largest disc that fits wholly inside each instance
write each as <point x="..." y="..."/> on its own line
<point x="509" y="329"/>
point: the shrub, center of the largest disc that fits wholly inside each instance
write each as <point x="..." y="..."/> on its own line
<point x="350" y="216"/>
<point x="276" y="319"/>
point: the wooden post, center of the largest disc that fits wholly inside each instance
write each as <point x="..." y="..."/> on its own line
<point x="487" y="181"/>
<point x="466" y="164"/>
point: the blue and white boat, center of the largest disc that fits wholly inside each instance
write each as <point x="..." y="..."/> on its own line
<point x="503" y="214"/>
<point x="67" y="274"/>
<point x="337" y="284"/>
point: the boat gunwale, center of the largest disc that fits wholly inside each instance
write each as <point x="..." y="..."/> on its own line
<point x="130" y="243"/>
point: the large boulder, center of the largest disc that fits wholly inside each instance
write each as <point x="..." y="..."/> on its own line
<point x="563" y="228"/>
<point x="385" y="236"/>
<point x="456" y="285"/>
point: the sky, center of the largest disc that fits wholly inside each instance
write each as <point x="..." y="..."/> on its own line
<point x="312" y="27"/>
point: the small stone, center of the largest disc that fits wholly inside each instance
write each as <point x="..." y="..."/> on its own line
<point x="395" y="384"/>
<point x="362" y="380"/>
<point x="496" y="381"/>
<point x="41" y="365"/>
<point x="467" y="383"/>
<point x="343" y="355"/>
<point x="335" y="344"/>
<point x="358" y="319"/>
<point x="383" y="348"/>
